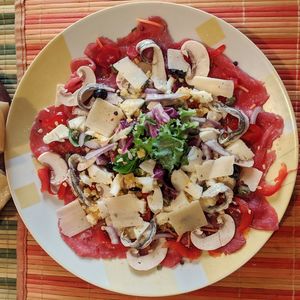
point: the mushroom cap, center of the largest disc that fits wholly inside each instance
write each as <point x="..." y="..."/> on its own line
<point x="218" y="239"/>
<point x="199" y="58"/>
<point x="57" y="164"/>
<point x="149" y="261"/>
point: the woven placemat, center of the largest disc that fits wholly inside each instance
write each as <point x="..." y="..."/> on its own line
<point x="274" y="272"/>
<point x="8" y="216"/>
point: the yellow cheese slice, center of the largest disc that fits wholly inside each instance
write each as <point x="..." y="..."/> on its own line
<point x="104" y="117"/>
<point x="210" y="169"/>
<point x="124" y="210"/>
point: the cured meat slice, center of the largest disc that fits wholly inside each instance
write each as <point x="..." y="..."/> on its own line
<point x="94" y="243"/>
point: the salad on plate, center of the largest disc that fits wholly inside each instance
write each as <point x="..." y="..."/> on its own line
<point x="159" y="150"/>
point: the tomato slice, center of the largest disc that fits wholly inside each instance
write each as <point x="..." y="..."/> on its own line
<point x="191" y="253"/>
<point x="246" y="215"/>
<point x="252" y="135"/>
<point x="267" y="189"/>
<point x="44" y="176"/>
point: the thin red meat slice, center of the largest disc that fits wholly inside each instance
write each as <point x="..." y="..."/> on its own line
<point x="222" y="67"/>
<point x="94" y="243"/>
<point x="264" y="215"/>
<point x="73" y="84"/>
<point x="172" y="259"/>
<point x="76" y="63"/>
<point x="46" y="120"/>
<point x="234" y="245"/>
<point x="272" y="126"/>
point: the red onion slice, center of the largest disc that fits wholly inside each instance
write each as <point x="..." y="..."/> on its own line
<point x="255" y="113"/>
<point x="98" y="152"/>
<point x="112" y="234"/>
<point x="215" y="146"/>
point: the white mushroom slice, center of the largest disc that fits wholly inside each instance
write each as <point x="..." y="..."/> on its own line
<point x="158" y="76"/>
<point x="86" y="74"/>
<point x="100" y="175"/>
<point x="72" y="219"/>
<point x="214" y="116"/>
<point x="70" y="99"/>
<point x="58" y="134"/>
<point x="215" y="86"/>
<point x="58" y="166"/>
<point x="176" y="61"/>
<point x="148" y="166"/>
<point x="149" y="261"/>
<point x="131" y="72"/>
<point x="194" y="157"/>
<point x="214" y="191"/>
<point x="155" y="201"/>
<point x="179" y="180"/>
<point x="199" y="58"/>
<point x="130" y="106"/>
<point x="216" y="240"/>
<point x="251" y="177"/>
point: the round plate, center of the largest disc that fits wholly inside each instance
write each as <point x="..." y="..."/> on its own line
<point x="37" y="90"/>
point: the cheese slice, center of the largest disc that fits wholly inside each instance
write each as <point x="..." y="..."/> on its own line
<point x="77" y="123"/>
<point x="215" y="86"/>
<point x="180" y="201"/>
<point x="146" y="182"/>
<point x="194" y="189"/>
<point x="210" y="169"/>
<point x="187" y="218"/>
<point x="176" y="60"/>
<point x="131" y="72"/>
<point x="251" y="177"/>
<point x="58" y="134"/>
<point x="179" y="180"/>
<point x="148" y="166"/>
<point x="124" y="210"/>
<point x="155" y="201"/>
<point x="72" y="219"/>
<point x="104" y="117"/>
<point x="100" y="175"/>
<point x="130" y="106"/>
<point x="241" y="150"/>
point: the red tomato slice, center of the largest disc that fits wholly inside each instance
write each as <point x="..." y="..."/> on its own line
<point x="269" y="189"/>
<point x="44" y="176"/>
<point x="191" y="253"/>
<point x="246" y="215"/>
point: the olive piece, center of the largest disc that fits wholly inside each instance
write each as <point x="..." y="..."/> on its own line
<point x="100" y="93"/>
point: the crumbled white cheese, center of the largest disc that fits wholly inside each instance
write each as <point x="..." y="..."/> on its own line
<point x="77" y="123"/>
<point x="146" y="182"/>
<point x="100" y="175"/>
<point x="58" y="134"/>
<point x="116" y="185"/>
<point x="155" y="201"/>
<point x="201" y="96"/>
<point x="214" y="116"/>
<point x="176" y="60"/>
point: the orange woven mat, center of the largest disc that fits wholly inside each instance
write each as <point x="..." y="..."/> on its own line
<point x="274" y="272"/>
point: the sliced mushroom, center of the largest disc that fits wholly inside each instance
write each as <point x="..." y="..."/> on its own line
<point x="227" y="137"/>
<point x="70" y="99"/>
<point x="216" y="240"/>
<point x="199" y="59"/>
<point x="149" y="261"/>
<point x="159" y="76"/>
<point x="86" y="92"/>
<point x="143" y="240"/>
<point x="214" y="191"/>
<point x="57" y="164"/>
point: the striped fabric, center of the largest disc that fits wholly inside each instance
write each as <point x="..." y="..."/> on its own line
<point x="274" y="272"/>
<point x="8" y="216"/>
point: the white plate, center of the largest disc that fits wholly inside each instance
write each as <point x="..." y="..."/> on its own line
<point x="37" y="90"/>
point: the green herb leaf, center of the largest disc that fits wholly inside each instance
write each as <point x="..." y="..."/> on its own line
<point x="186" y="113"/>
<point x="124" y="165"/>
